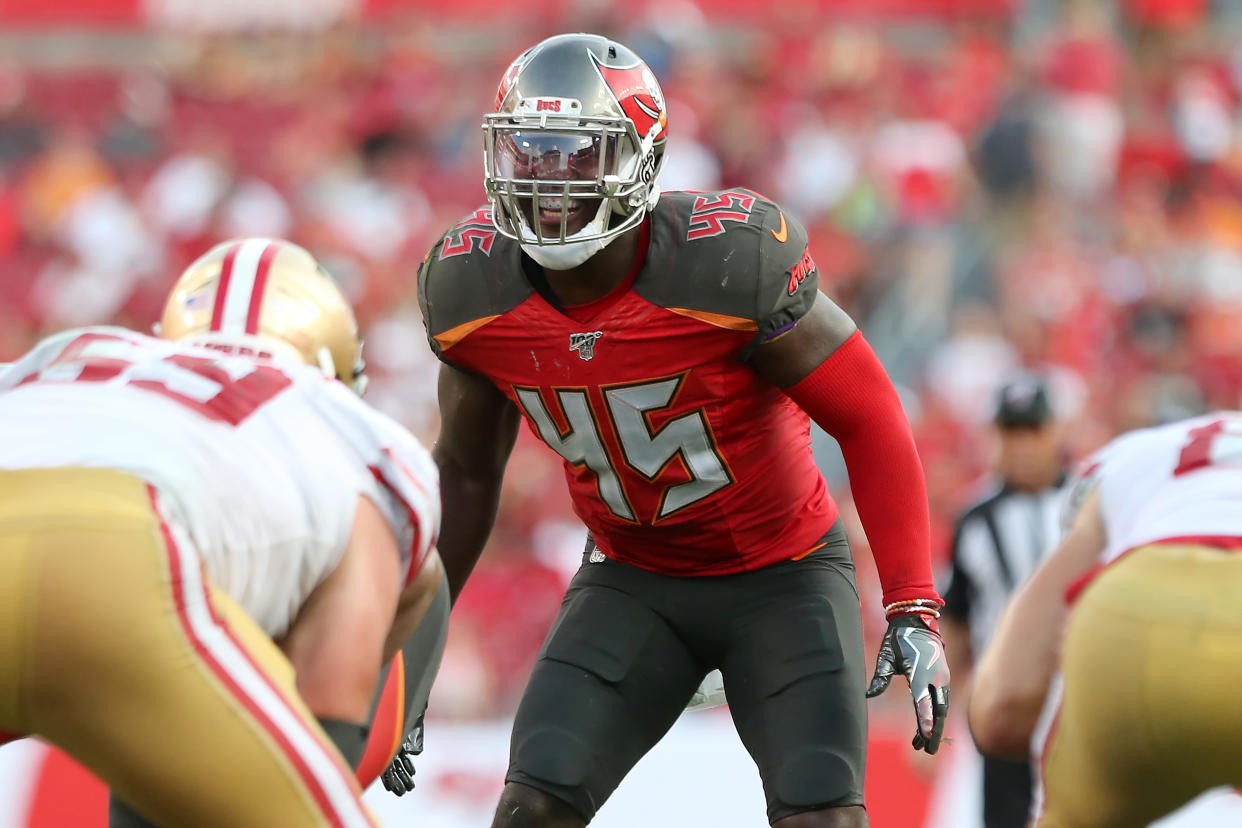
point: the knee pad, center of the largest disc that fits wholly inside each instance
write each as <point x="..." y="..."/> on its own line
<point x="816" y="777"/>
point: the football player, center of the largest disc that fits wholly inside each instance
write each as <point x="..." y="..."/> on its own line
<point x="1138" y="609"/>
<point x="670" y="348"/>
<point x="212" y="543"/>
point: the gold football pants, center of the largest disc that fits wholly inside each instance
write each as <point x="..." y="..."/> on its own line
<point x="1152" y="666"/>
<point x="115" y="647"/>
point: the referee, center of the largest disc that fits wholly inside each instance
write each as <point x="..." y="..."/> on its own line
<point x="997" y="543"/>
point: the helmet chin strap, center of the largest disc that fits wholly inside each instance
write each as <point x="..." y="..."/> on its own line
<point x="564" y="256"/>
<point x="573" y="253"/>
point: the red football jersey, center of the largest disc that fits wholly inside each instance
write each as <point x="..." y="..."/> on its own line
<point x="679" y="458"/>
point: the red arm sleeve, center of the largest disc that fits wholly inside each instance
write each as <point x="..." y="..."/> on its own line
<point x="851" y="397"/>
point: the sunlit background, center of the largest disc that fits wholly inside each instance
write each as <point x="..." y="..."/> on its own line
<point x="988" y="184"/>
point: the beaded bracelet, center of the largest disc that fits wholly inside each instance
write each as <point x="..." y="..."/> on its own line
<point x="928" y="611"/>
<point x="914" y="605"/>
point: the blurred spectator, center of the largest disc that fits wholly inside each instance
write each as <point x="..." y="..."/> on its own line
<point x="819" y="167"/>
<point x="688" y="163"/>
<point x="1005" y="157"/>
<point x="970" y="364"/>
<point x="182" y="195"/>
<point x="64" y="174"/>
<point x="1082" y="125"/>
<point x="255" y="208"/>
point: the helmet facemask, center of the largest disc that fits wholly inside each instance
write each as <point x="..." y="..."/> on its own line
<point x="539" y="165"/>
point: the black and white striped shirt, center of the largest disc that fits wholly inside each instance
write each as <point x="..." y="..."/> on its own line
<point x="997" y="544"/>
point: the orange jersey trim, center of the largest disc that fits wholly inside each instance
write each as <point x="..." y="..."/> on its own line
<point x="809" y="551"/>
<point x="387" y="725"/>
<point x="719" y="320"/>
<point x="452" y="336"/>
<point x="398" y="667"/>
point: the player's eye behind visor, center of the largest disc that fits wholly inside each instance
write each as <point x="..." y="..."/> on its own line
<point x="553" y="156"/>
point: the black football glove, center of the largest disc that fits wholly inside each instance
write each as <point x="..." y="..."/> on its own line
<point x="399" y="777"/>
<point x="914" y="649"/>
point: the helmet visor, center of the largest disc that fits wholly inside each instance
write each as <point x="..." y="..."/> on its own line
<point x="533" y="155"/>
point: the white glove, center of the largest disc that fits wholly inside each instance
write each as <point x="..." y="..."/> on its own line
<point x="710" y="694"/>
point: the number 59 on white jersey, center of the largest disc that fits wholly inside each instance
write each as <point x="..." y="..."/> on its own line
<point x="260" y="459"/>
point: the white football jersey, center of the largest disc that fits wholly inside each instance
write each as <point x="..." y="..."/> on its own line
<point x="261" y="461"/>
<point x="1177" y="481"/>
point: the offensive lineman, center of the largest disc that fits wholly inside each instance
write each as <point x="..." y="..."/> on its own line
<point x="1144" y="592"/>
<point x="670" y="349"/>
<point x="168" y="509"/>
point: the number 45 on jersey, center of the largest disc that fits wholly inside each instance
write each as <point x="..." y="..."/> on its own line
<point x="642" y="449"/>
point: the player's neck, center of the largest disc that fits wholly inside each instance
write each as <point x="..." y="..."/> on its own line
<point x="1031" y="484"/>
<point x="597" y="276"/>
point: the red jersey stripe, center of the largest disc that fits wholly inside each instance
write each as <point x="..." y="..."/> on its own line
<point x="260" y="286"/>
<point x="416" y="562"/>
<point x="222" y="290"/>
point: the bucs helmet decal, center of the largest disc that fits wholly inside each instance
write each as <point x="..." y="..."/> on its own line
<point x="638" y="95"/>
<point x="511" y="74"/>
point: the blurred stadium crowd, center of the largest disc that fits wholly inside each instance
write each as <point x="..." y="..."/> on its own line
<point x="988" y="185"/>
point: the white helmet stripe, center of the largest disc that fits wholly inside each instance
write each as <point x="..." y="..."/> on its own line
<point x="241" y="284"/>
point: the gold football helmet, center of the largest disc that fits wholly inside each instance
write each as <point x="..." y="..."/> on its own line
<point x="263" y="295"/>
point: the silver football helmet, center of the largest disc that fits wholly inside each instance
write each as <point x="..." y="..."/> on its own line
<point x="575" y="145"/>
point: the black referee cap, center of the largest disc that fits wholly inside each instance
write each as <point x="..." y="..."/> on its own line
<point x="1023" y="403"/>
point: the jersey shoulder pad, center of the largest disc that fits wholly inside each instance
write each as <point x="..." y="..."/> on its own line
<point x="401" y="477"/>
<point x="1089" y="473"/>
<point x="49" y="349"/>
<point x="472" y="275"/>
<point x="732" y="258"/>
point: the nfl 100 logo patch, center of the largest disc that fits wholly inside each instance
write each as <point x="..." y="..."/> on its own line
<point x="584" y="344"/>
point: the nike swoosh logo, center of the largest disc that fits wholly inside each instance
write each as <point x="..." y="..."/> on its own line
<point x="935" y="657"/>
<point x="784" y="231"/>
